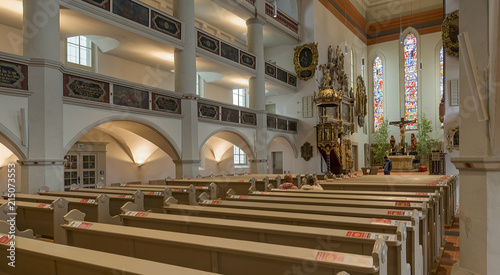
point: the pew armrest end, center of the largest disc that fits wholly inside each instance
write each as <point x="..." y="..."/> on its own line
<point x="170" y="200"/>
<point x="74" y="215"/>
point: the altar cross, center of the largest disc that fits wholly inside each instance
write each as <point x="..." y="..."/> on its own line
<point x="402" y="123"/>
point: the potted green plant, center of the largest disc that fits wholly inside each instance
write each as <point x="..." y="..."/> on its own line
<point x="425" y="144"/>
<point x="381" y="146"/>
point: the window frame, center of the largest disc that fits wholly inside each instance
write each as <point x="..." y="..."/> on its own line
<point x="91" y="48"/>
<point x="402" y="75"/>
<point x="240" y="153"/>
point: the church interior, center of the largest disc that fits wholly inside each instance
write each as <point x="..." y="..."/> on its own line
<point x="249" y="136"/>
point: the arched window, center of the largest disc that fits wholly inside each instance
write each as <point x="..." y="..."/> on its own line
<point x="411" y="80"/>
<point x="378" y="93"/>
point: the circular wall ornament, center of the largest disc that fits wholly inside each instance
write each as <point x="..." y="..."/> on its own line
<point x="449" y="32"/>
<point x="305" y="60"/>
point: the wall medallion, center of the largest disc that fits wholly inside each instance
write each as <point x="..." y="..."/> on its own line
<point x="306" y="60"/>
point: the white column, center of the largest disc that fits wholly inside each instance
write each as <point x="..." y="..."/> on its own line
<point x="479" y="163"/>
<point x="45" y="109"/>
<point x="255" y="42"/>
<point x="185" y="83"/>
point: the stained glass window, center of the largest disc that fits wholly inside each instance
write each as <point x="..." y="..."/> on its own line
<point x="441" y="72"/>
<point x="411" y="85"/>
<point x="378" y="93"/>
<point x="441" y="86"/>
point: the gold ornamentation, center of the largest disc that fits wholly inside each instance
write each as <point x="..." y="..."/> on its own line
<point x="305" y="60"/>
<point x="449" y="32"/>
<point x="361" y="100"/>
<point x="453" y="139"/>
<point x="347" y="162"/>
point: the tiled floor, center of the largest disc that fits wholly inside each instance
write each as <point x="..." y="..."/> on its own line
<point x="451" y="252"/>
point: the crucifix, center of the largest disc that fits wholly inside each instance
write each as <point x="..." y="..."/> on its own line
<point x="402" y="123"/>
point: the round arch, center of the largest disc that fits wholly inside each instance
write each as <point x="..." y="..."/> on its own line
<point x="142" y="127"/>
<point x="13" y="143"/>
<point x="290" y="142"/>
<point x="234" y="136"/>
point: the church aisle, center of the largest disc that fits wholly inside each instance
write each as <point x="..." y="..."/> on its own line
<point x="451" y="253"/>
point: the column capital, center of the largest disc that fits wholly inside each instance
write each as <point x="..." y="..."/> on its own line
<point x="477" y="163"/>
<point x="41" y="162"/>
<point x="257" y="160"/>
<point x="186" y="161"/>
<point x="256" y="20"/>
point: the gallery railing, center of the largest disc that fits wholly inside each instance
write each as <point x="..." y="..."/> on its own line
<point x="99" y="91"/>
<point x="282" y="123"/>
<point x="133" y="11"/>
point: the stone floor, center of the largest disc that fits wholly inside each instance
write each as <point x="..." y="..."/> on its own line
<point x="451" y="252"/>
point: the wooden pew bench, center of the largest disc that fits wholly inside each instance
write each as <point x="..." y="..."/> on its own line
<point x="152" y="199"/>
<point x="443" y="188"/>
<point x="38" y="257"/>
<point x="185" y="194"/>
<point x="292" y="235"/>
<point x="376" y="225"/>
<point x="240" y="186"/>
<point x="43" y="219"/>
<point x="115" y="201"/>
<point x="215" y="254"/>
<point x="435" y="223"/>
<point x="96" y="209"/>
<point x="355" y="208"/>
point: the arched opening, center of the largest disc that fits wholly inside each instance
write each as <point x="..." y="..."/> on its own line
<point x="225" y="152"/>
<point x="122" y="150"/>
<point x="10" y="153"/>
<point x="282" y="154"/>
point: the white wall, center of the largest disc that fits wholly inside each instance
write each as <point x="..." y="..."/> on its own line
<point x="314" y="19"/>
<point x="131" y="71"/>
<point x="158" y="166"/>
<point x="4" y="173"/>
<point x="11" y="41"/>
<point x="429" y="92"/>
<point x="218" y="93"/>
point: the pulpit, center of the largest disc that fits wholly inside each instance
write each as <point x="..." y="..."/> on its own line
<point x="402" y="163"/>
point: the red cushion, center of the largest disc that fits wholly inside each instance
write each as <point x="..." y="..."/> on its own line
<point x="422" y="168"/>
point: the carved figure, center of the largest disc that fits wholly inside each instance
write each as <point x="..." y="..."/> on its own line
<point x="393" y="143"/>
<point x="413" y="142"/>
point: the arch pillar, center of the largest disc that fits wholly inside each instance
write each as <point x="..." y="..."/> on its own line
<point x="44" y="165"/>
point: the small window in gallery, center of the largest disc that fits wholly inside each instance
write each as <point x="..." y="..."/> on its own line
<point x="79" y="50"/>
<point x="240" y="158"/>
<point x="240" y="97"/>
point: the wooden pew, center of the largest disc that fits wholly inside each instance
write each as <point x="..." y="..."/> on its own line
<point x="114" y="201"/>
<point x="151" y="198"/>
<point x="214" y="254"/>
<point x="96" y="209"/>
<point x="38" y="257"/>
<point x="292" y="235"/>
<point x="183" y="193"/>
<point x="43" y="219"/>
<point x="8" y="213"/>
<point x="435" y="223"/>
<point x="449" y="184"/>
<point x="444" y="189"/>
<point x="414" y="248"/>
<point x="240" y="186"/>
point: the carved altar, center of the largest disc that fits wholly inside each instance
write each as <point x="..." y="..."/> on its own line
<point x="335" y="102"/>
<point x="402" y="162"/>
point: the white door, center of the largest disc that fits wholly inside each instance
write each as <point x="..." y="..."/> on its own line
<point x="80" y="169"/>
